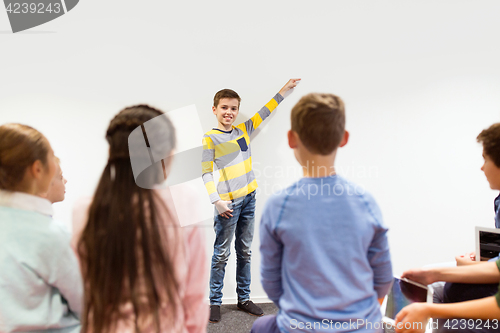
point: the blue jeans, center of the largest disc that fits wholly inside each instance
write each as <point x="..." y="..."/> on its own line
<point x="241" y="224"/>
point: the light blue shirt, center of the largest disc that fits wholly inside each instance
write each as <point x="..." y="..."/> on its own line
<point x="325" y="256"/>
<point x="40" y="282"/>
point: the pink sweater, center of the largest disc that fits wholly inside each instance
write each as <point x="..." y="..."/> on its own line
<point x="190" y="267"/>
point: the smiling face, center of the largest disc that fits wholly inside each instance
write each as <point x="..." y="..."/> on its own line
<point x="226" y="112"/>
<point x="492" y="172"/>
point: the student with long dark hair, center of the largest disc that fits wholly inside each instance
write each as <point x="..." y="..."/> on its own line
<point x="142" y="272"/>
<point x="40" y="281"/>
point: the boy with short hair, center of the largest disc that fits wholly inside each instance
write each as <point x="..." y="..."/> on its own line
<point x="490" y="138"/>
<point x="463" y="284"/>
<point x="325" y="254"/>
<point x="228" y="147"/>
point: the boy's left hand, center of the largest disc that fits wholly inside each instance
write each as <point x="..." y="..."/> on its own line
<point x="292" y="83"/>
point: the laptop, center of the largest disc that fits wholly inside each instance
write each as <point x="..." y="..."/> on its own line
<point x="402" y="293"/>
<point x="487" y="243"/>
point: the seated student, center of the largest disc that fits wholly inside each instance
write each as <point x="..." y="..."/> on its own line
<point x="57" y="188"/>
<point x="40" y="284"/>
<point x="490" y="138"/>
<point x="142" y="272"/>
<point x="325" y="254"/>
<point x="414" y="317"/>
<point x="458" y="292"/>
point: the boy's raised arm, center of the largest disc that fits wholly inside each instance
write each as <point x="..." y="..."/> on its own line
<point x="253" y="123"/>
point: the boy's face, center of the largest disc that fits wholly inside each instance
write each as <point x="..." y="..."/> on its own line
<point x="492" y="172"/>
<point x="57" y="187"/>
<point x="226" y="111"/>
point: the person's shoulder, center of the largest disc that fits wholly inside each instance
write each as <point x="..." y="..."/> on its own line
<point x="24" y="227"/>
<point x="45" y="236"/>
<point x="17" y="215"/>
<point x="277" y="199"/>
<point x="354" y="189"/>
<point x="211" y="132"/>
<point x="365" y="199"/>
<point x="82" y="205"/>
<point x="81" y="212"/>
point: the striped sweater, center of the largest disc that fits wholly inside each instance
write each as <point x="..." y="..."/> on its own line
<point x="230" y="150"/>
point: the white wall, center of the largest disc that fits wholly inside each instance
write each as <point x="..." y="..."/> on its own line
<point x="420" y="81"/>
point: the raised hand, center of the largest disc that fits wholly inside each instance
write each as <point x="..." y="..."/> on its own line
<point x="292" y="83"/>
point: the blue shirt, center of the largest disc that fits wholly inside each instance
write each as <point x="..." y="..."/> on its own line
<point x="41" y="288"/>
<point x="325" y="256"/>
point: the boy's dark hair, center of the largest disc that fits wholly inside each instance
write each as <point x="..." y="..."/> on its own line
<point x="319" y="120"/>
<point x="226" y="93"/>
<point x="490" y="138"/>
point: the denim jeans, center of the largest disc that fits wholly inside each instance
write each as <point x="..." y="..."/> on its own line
<point x="241" y="224"/>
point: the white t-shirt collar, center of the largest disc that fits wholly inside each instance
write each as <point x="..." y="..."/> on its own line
<point x="25" y="201"/>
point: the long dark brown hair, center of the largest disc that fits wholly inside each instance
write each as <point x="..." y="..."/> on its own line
<point x="123" y="248"/>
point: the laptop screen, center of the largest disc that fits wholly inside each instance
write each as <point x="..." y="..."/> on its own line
<point x="402" y="294"/>
<point x="489" y="245"/>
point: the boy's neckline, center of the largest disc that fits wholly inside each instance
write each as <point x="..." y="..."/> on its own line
<point x="218" y="129"/>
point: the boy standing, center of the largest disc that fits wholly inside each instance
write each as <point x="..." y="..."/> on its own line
<point x="325" y="255"/>
<point x="234" y="199"/>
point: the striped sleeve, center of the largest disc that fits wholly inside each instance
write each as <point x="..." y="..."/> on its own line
<point x="207" y="166"/>
<point x="253" y="123"/>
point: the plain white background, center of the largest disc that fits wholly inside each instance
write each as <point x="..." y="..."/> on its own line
<point x="420" y="81"/>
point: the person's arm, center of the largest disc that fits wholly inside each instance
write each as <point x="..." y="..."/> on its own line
<point x="485" y="272"/>
<point x="378" y="253"/>
<point x="414" y="317"/>
<point x="271" y="250"/>
<point x="62" y="270"/>
<point x="195" y="307"/>
<point x="253" y="123"/>
<point x="467" y="259"/>
<point x="207" y="165"/>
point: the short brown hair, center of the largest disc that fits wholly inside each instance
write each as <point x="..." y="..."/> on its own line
<point x="319" y="120"/>
<point x="226" y="93"/>
<point x="490" y="138"/>
<point x="20" y="147"/>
